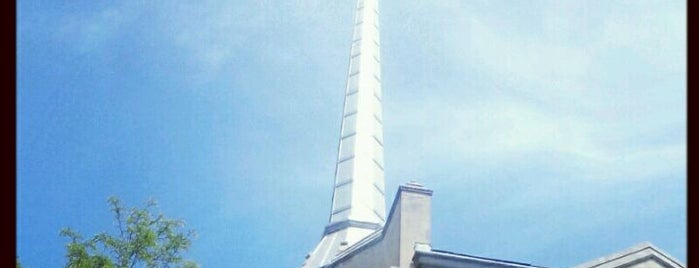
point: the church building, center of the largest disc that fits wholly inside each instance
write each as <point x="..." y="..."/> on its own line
<point x="360" y="232"/>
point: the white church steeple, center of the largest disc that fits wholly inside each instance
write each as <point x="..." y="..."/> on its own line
<point x="359" y="177"/>
<point x="358" y="204"/>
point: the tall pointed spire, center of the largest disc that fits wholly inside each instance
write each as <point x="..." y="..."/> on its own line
<point x="358" y="204"/>
<point x="359" y="176"/>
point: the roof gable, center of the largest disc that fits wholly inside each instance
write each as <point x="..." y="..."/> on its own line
<point x="642" y="255"/>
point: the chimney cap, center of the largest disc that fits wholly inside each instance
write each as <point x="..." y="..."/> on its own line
<point x="415" y="187"/>
<point x="414" y="183"/>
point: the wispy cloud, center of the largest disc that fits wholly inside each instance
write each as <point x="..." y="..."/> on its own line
<point x="550" y="99"/>
<point x="223" y="36"/>
<point x="549" y="66"/>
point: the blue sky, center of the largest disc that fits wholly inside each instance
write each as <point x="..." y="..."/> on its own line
<point x="552" y="132"/>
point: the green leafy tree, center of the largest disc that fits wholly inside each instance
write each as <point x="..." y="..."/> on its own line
<point x="142" y="240"/>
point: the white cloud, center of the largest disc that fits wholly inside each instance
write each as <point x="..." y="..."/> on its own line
<point x="450" y="133"/>
<point x="548" y="99"/>
<point x="552" y="67"/>
<point x="657" y="33"/>
<point x="654" y="162"/>
<point x="516" y="120"/>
